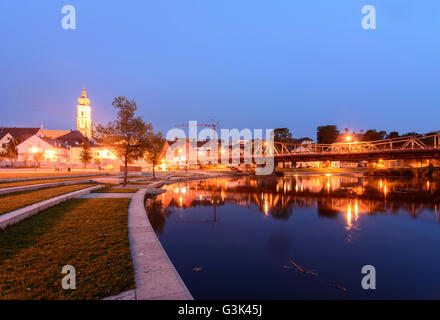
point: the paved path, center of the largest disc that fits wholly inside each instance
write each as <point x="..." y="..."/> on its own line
<point x="107" y="195"/>
<point x="155" y="275"/>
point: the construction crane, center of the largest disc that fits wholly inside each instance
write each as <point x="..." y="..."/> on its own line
<point x="212" y="125"/>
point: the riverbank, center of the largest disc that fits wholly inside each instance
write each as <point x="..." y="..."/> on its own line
<point x="407" y="172"/>
<point x="425" y="172"/>
<point x="155" y="275"/>
<point x="314" y="171"/>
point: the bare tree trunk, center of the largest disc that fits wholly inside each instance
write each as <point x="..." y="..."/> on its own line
<point x="154" y="174"/>
<point x="125" y="171"/>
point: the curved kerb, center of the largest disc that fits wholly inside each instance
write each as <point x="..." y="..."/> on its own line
<point x="155" y="275"/>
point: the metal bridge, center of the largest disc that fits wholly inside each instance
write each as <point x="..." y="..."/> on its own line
<point x="422" y="146"/>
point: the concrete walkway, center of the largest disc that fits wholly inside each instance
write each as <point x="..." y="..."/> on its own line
<point x="155" y="275"/>
<point x="107" y="195"/>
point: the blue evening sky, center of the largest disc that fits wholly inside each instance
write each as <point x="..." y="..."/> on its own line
<point x="244" y="63"/>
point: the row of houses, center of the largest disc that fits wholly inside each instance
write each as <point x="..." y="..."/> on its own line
<point x="54" y="147"/>
<point x="188" y="151"/>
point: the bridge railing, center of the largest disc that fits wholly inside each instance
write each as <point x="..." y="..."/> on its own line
<point x="421" y="141"/>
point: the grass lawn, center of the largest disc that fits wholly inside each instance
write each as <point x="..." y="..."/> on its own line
<point x="32" y="182"/>
<point x="17" y="200"/>
<point x="115" y="190"/>
<point x="89" y="234"/>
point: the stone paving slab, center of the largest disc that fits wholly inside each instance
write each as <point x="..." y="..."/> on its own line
<point x="18" y="215"/>
<point x="156" y="184"/>
<point x="107" y="195"/>
<point x="127" y="295"/>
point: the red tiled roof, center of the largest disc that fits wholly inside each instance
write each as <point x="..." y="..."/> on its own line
<point x="19" y="133"/>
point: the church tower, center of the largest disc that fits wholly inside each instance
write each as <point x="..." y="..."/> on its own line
<point x="84" y="117"/>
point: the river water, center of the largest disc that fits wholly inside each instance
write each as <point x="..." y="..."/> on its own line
<point x="250" y="237"/>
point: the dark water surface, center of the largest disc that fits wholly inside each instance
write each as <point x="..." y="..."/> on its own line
<point x="236" y="238"/>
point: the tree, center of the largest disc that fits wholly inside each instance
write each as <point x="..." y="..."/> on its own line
<point x="10" y="150"/>
<point x="155" y="149"/>
<point x="98" y="162"/>
<point x="373" y="135"/>
<point x="282" y="135"/>
<point x="412" y="133"/>
<point x="127" y="136"/>
<point x="392" y="135"/>
<point x="86" y="154"/>
<point x="327" y="134"/>
<point x="38" y="157"/>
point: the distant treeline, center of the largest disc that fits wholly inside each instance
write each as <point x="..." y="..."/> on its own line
<point x="330" y="133"/>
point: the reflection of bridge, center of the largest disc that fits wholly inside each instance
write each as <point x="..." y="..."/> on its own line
<point x="423" y="146"/>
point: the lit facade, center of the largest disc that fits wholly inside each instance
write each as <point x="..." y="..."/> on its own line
<point x="84" y="116"/>
<point x="48" y="151"/>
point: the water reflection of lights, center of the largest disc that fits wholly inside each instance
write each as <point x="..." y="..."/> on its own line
<point x="352" y="221"/>
<point x="356" y="209"/>
<point x="271" y="196"/>
<point x="348" y="215"/>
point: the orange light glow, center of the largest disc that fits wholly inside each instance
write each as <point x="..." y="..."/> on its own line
<point x="349" y="216"/>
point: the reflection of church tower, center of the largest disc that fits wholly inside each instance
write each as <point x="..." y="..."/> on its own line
<point x="84" y="115"/>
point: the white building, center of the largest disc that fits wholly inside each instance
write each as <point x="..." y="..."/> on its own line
<point x="40" y="149"/>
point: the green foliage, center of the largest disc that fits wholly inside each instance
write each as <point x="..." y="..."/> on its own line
<point x="327" y="134"/>
<point x="86" y="154"/>
<point x="127" y="136"/>
<point x="10" y="150"/>
<point x="412" y="133"/>
<point x="38" y="157"/>
<point x="155" y="149"/>
<point x="282" y="135"/>
<point x="373" y="135"/>
<point x="392" y="135"/>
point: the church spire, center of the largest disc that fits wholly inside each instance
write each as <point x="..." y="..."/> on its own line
<point x="84" y="116"/>
<point x="84" y="101"/>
